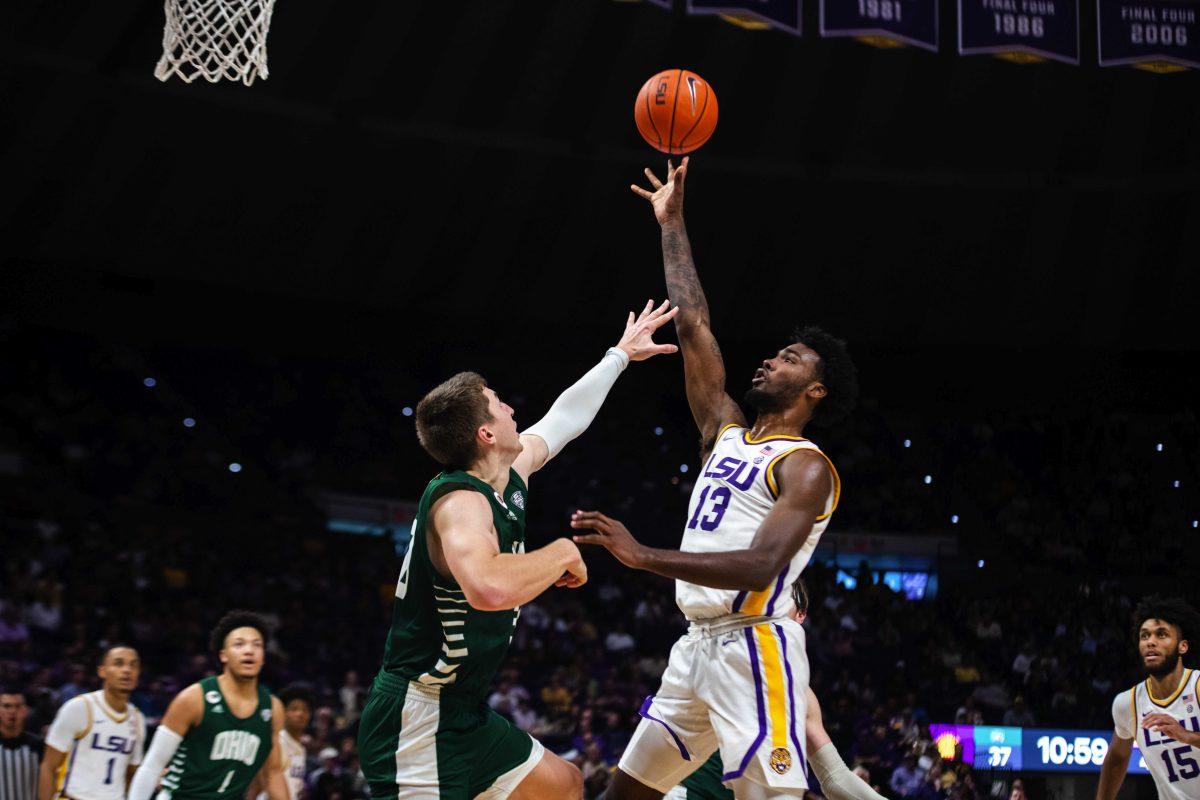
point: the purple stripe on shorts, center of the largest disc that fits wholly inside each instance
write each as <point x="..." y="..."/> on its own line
<point x="645" y="712"/>
<point x="787" y="668"/>
<point x="762" y="713"/>
<point x="778" y="589"/>
<point x="737" y="601"/>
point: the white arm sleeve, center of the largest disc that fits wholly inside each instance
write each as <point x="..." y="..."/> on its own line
<point x="837" y="781"/>
<point x="70" y="721"/>
<point x="166" y="742"/>
<point x="1122" y="712"/>
<point x="575" y="408"/>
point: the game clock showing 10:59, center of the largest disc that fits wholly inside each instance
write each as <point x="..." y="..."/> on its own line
<point x="1032" y="749"/>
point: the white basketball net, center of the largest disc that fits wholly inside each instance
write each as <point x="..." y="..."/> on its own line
<point x="215" y="39"/>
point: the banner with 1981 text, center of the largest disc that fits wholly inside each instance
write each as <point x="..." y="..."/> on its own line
<point x="912" y="22"/>
<point x="782" y="14"/>
<point x="1023" y="30"/>
<point x="1158" y="35"/>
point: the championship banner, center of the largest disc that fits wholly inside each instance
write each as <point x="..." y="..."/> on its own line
<point x="753" y="14"/>
<point x="1155" y="35"/>
<point x="883" y="23"/>
<point x="1020" y="30"/>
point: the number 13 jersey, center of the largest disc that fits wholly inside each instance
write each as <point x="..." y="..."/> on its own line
<point x="1175" y="767"/>
<point x="736" y="489"/>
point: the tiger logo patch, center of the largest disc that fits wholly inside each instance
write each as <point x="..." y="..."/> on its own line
<point x="781" y="760"/>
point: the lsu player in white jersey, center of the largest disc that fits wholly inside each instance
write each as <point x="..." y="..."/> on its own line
<point x="96" y="740"/>
<point x="1161" y="714"/>
<point x="764" y="494"/>
<point x="297" y="713"/>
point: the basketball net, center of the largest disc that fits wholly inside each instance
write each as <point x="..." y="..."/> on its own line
<point x="215" y="40"/>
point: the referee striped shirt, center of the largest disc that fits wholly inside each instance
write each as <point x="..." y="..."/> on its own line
<point x="20" y="758"/>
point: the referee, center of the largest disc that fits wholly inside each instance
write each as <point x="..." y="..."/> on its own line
<point x="20" y="752"/>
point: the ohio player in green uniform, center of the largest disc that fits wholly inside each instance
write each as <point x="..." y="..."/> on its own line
<point x="426" y="731"/>
<point x="219" y="733"/>
<point x="837" y="781"/>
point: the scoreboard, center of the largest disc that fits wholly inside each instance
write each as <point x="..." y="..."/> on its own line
<point x="993" y="747"/>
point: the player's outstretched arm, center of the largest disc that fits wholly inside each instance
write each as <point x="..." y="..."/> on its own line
<point x="805" y="483"/>
<point x="575" y="408"/>
<point x="1116" y="764"/>
<point x="837" y="781"/>
<point x="184" y="713"/>
<point x="703" y="366"/>
<point x="492" y="580"/>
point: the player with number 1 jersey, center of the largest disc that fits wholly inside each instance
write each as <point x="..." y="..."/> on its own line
<point x="219" y="733"/>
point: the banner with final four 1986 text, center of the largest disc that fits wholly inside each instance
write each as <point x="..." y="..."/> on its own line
<point x="1021" y="30"/>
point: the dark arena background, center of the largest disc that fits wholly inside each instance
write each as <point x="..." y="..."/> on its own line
<point x="220" y="304"/>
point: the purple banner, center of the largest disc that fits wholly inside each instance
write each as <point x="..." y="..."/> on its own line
<point x="782" y="14"/>
<point x="912" y="22"/>
<point x="1024" y="30"/>
<point x="1158" y="35"/>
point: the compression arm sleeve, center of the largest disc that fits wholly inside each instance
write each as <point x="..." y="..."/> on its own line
<point x="837" y="781"/>
<point x="575" y="408"/>
<point x="166" y="742"/>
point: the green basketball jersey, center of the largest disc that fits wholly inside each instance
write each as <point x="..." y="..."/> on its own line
<point x="436" y="637"/>
<point x="219" y="757"/>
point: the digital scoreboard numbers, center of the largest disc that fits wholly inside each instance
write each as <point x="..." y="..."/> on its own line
<point x="989" y="747"/>
<point x="1020" y="30"/>
<point x="754" y="14"/>
<point x="883" y="22"/>
<point x="1156" y="35"/>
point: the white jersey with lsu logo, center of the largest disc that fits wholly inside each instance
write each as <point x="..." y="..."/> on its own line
<point x="1175" y="767"/>
<point x="736" y="680"/>
<point x="100" y="745"/>
<point x="294" y="765"/>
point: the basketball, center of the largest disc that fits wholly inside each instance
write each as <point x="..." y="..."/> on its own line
<point x="676" y="111"/>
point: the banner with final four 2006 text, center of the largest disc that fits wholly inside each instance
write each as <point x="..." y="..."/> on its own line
<point x="1158" y="35"/>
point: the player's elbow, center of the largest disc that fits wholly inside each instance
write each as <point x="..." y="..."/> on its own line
<point x="488" y="596"/>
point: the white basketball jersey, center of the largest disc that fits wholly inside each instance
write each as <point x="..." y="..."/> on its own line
<point x="100" y="745"/>
<point x="734" y="492"/>
<point x="292" y="753"/>
<point x="1175" y="767"/>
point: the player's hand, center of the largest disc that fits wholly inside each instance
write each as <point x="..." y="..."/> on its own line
<point x="667" y="198"/>
<point x="1166" y="725"/>
<point x="638" y="339"/>
<point x="575" y="574"/>
<point x="609" y="534"/>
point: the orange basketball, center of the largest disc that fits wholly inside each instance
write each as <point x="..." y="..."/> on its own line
<point x="676" y="111"/>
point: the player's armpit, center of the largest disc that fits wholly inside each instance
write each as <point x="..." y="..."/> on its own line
<point x="804" y="482"/>
<point x="533" y="456"/>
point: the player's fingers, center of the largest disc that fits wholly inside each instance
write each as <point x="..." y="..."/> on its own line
<point x="663" y="318"/>
<point x="590" y="538"/>
<point x="670" y="169"/>
<point x="665" y="349"/>
<point x="640" y="192"/>
<point x="654" y="181"/>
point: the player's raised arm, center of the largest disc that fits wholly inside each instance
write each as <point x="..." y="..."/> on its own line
<point x="492" y="580"/>
<point x="575" y="408"/>
<point x="703" y="366"/>
<point x="805" y="486"/>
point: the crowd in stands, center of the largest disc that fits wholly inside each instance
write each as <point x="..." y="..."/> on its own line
<point x="121" y="523"/>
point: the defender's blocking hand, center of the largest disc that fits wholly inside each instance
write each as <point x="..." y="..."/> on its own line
<point x="638" y="339"/>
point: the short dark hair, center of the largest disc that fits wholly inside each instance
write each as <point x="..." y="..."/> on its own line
<point x="231" y="622"/>
<point x="449" y="416"/>
<point x="1173" y="610"/>
<point x="17" y="691"/>
<point x="297" y="691"/>
<point x="800" y="595"/>
<point x="117" y="646"/>
<point x="837" y="372"/>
